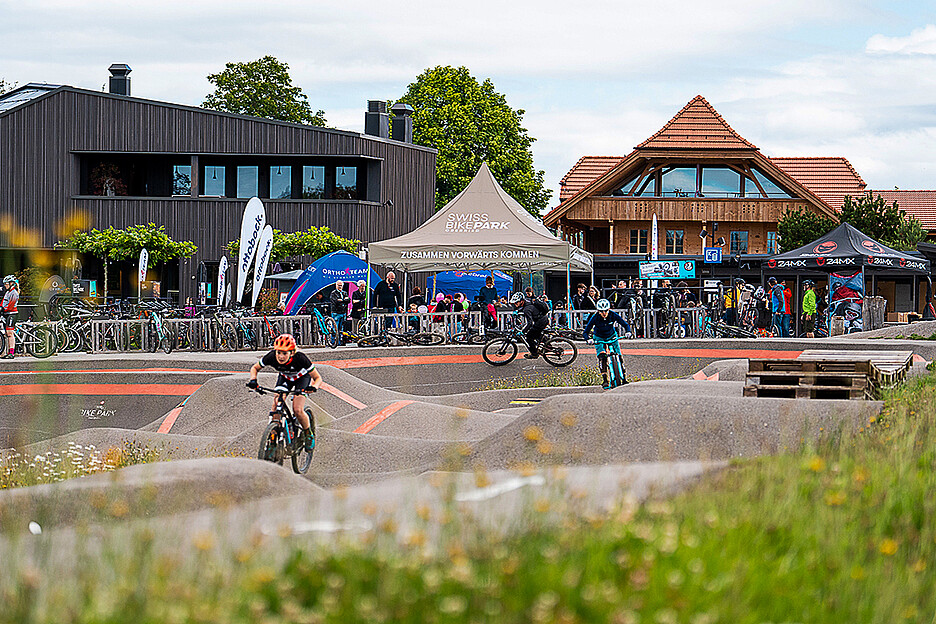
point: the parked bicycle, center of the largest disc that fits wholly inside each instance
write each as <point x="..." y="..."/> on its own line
<point x="283" y="436"/>
<point x="36" y="339"/>
<point x="388" y="337"/>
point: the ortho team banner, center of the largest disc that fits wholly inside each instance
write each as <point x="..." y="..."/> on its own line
<point x="264" y="248"/>
<point x="251" y="226"/>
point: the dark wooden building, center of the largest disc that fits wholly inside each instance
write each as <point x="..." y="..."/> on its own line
<point x="70" y="156"/>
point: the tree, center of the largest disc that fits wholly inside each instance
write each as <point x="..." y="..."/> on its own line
<point x="469" y="123"/>
<point x="871" y="215"/>
<point x="114" y="244"/>
<point x="6" y="86"/>
<point x="315" y="242"/>
<point x="261" y="88"/>
<point x="798" y="226"/>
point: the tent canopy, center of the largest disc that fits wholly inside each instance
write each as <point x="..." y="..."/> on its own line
<point x="481" y="228"/>
<point x="338" y="265"/>
<point x="846" y="247"/>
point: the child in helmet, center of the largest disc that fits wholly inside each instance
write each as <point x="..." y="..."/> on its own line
<point x="296" y="372"/>
<point x="603" y="325"/>
<point x="8" y="312"/>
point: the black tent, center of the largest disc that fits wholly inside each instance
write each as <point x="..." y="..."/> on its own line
<point x="847" y="248"/>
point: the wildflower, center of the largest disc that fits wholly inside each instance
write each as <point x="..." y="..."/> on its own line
<point x="568" y="419"/>
<point x="834" y="499"/>
<point x="119" y="509"/>
<point x="919" y="566"/>
<point x="888" y="546"/>
<point x="816" y="464"/>
<point x="544" y="447"/>
<point x="533" y="433"/>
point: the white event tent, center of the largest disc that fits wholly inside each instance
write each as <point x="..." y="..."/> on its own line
<point x="481" y="228"/>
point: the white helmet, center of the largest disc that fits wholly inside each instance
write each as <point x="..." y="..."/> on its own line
<point x="603" y="305"/>
<point x="517" y="297"/>
<point x="10" y="278"/>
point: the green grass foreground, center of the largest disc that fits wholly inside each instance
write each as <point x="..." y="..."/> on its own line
<point x="844" y="532"/>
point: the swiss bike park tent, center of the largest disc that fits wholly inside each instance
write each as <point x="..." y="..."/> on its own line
<point x="848" y="256"/>
<point x="483" y="228"/>
<point x="324" y="272"/>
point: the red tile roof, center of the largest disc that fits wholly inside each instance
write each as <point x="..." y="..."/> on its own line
<point x="829" y="177"/>
<point x="697" y="125"/>
<point x="918" y="204"/>
<point x="585" y="171"/>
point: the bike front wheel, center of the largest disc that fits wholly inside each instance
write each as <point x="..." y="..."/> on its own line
<point x="302" y="458"/>
<point x="167" y="343"/>
<point x="271" y="446"/>
<point x="427" y="339"/>
<point x="559" y="352"/>
<point x="330" y="331"/>
<point x="499" y="351"/>
<point x="616" y="364"/>
<point x="373" y="341"/>
<point x="43" y="343"/>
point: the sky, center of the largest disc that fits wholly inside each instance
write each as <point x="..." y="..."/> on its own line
<point x="594" y="77"/>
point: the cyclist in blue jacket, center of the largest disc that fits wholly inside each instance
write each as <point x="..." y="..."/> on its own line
<point x="605" y="333"/>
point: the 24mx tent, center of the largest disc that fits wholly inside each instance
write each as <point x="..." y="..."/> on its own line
<point x="481" y="228"/>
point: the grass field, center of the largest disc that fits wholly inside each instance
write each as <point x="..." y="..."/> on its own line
<point x="843" y="532"/>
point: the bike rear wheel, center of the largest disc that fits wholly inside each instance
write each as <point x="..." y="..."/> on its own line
<point x="330" y="332"/>
<point x="43" y="343"/>
<point x="559" y="352"/>
<point x="616" y="366"/>
<point x="271" y="444"/>
<point x="499" y="351"/>
<point x="428" y="339"/>
<point x="302" y="458"/>
<point x="167" y="343"/>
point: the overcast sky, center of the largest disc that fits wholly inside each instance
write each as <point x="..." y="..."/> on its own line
<point x="796" y="78"/>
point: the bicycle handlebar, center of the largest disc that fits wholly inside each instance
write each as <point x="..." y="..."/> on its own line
<point x="264" y="390"/>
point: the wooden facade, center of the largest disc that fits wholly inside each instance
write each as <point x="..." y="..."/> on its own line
<point x="48" y="144"/>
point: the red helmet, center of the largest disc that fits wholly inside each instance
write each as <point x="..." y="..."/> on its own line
<point x="285" y="342"/>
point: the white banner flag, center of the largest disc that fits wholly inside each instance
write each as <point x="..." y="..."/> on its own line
<point x="654" y="237"/>
<point x="222" y="278"/>
<point x="264" y="248"/>
<point x="251" y="225"/>
<point x="141" y="270"/>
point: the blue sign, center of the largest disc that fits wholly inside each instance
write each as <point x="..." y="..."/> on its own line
<point x="667" y="269"/>
<point x="713" y="255"/>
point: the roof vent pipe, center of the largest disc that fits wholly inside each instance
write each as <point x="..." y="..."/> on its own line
<point x="402" y="122"/>
<point x="120" y="79"/>
<point x="376" y="119"/>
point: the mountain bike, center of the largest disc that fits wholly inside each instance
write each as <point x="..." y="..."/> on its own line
<point x="502" y="350"/>
<point x="36" y="339"/>
<point x="610" y="361"/>
<point x="159" y="336"/>
<point x="326" y="327"/>
<point x="387" y="337"/>
<point x="283" y="436"/>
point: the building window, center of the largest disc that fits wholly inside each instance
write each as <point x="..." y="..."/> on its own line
<point x="214" y="181"/>
<point x="182" y="180"/>
<point x="280" y="182"/>
<point x="720" y="182"/>
<point x="346" y="183"/>
<point x="674" y="241"/>
<point x="771" y="189"/>
<point x="739" y="243"/>
<point x="771" y="242"/>
<point x="313" y="182"/>
<point x="638" y="241"/>
<point x="247" y="182"/>
<point x="679" y="182"/>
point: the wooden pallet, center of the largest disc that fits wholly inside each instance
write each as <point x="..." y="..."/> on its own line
<point x="804" y="391"/>
<point x="886" y="368"/>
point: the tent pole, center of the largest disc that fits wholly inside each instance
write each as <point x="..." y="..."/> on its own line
<point x="367" y="292"/>
<point x="405" y="288"/>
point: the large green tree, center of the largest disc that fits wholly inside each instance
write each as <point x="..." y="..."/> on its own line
<point x="315" y="242"/>
<point x="262" y="88"/>
<point x="469" y="123"/>
<point x="873" y="216"/>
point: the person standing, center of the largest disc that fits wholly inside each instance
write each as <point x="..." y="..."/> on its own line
<point x="809" y="309"/>
<point x="8" y="312"/>
<point x="488" y="293"/>
<point x="777" y="305"/>
<point x="357" y="300"/>
<point x="416" y="298"/>
<point x="339" y="307"/>
<point x="389" y="296"/>
<point x="787" y="308"/>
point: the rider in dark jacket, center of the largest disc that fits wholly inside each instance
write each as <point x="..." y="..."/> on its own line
<point x="536" y="313"/>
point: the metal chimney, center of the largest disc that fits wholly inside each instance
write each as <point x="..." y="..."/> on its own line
<point x="402" y="122"/>
<point x="119" y="80"/>
<point x="376" y="119"/>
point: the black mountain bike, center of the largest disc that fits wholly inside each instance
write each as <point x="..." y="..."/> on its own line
<point x="283" y="436"/>
<point x="503" y="349"/>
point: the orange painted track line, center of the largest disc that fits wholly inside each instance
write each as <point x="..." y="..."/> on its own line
<point x="118" y="370"/>
<point x="381" y="416"/>
<point x="99" y="389"/>
<point x="341" y="395"/>
<point x="166" y="424"/>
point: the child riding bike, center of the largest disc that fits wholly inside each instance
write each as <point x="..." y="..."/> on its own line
<point x="606" y="339"/>
<point x="296" y="372"/>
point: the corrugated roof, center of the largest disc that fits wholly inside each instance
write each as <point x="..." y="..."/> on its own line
<point x="918" y="204"/>
<point x="699" y="126"/>
<point x="586" y="170"/>
<point x="829" y="177"/>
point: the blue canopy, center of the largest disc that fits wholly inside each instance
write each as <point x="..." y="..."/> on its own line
<point x="451" y="282"/>
<point x="338" y="265"/>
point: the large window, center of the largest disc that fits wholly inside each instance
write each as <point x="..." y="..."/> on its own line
<point x="674" y="241"/>
<point x="720" y="182"/>
<point x="771" y="242"/>
<point x="313" y="182"/>
<point x="638" y="241"/>
<point x="771" y="189"/>
<point x="739" y="243"/>
<point x="679" y="182"/>
<point x="247" y="182"/>
<point x="214" y="181"/>
<point x="182" y="180"/>
<point x="346" y="183"/>
<point x="280" y="182"/>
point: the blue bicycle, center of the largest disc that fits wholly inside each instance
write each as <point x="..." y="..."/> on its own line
<point x="610" y="361"/>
